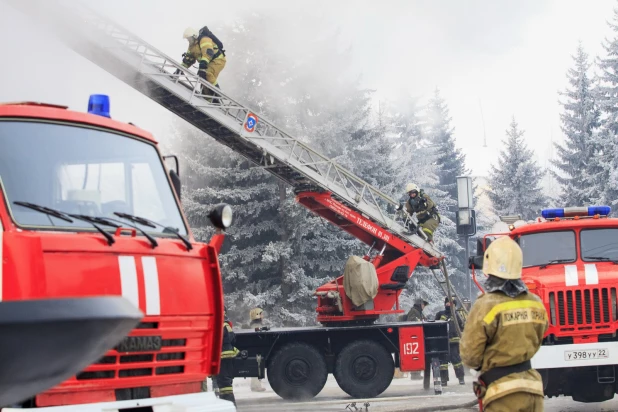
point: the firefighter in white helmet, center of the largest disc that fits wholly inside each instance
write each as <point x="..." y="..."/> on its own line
<point x="505" y="329"/>
<point x="207" y="50"/>
<point x="425" y="209"/>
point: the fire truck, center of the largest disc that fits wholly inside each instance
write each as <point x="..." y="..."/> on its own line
<point x="90" y="209"/>
<point x="570" y="257"/>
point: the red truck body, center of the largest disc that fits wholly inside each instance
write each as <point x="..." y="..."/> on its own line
<point x="570" y="262"/>
<point x="43" y="160"/>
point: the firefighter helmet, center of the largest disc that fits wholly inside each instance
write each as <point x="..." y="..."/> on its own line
<point x="189" y="32"/>
<point x="411" y="187"/>
<point x="503" y="259"/>
<point x="256" y="313"/>
<point x="420" y="301"/>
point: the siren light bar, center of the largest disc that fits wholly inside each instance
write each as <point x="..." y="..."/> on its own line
<point x="576" y="211"/>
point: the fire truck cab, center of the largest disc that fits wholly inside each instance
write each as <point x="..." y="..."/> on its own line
<point x="88" y="208"/>
<point x="571" y="263"/>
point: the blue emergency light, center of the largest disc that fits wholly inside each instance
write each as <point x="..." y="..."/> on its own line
<point x="576" y="211"/>
<point x="99" y="104"/>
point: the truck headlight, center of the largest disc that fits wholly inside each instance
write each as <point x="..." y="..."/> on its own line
<point x="221" y="216"/>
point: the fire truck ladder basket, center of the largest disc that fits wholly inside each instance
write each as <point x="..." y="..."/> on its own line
<point x="182" y="92"/>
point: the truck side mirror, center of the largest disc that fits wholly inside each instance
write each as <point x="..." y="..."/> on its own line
<point x="174" y="172"/>
<point x="176" y="182"/>
<point x="477" y="260"/>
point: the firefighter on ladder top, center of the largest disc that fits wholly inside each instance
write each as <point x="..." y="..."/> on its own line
<point x="426" y="211"/>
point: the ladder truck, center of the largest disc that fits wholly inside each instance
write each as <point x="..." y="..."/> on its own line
<point x="362" y="355"/>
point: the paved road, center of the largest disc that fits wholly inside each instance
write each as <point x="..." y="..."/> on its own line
<point x="403" y="394"/>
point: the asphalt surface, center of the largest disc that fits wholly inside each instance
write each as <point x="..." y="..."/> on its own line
<point x="403" y="395"/>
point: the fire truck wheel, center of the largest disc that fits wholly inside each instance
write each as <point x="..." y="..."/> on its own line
<point x="297" y="371"/>
<point x="364" y="369"/>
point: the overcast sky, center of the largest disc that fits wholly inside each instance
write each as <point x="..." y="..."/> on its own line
<point x="510" y="57"/>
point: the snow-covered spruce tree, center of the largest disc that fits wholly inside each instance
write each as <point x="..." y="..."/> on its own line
<point x="515" y="183"/>
<point x="450" y="163"/>
<point x="604" y="167"/>
<point x="579" y="119"/>
<point x="291" y="251"/>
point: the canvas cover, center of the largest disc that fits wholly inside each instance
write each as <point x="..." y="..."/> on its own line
<point x="360" y="280"/>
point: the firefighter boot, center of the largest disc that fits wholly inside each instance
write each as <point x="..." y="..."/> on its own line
<point x="228" y="397"/>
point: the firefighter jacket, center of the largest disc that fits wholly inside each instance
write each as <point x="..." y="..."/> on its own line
<point x="228" y="349"/>
<point x="202" y="51"/>
<point x="257" y="323"/>
<point x="423" y="206"/>
<point x="415" y="314"/>
<point x="503" y="331"/>
<point x="445" y="314"/>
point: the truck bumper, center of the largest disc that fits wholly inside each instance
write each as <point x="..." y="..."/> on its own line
<point x="194" y="402"/>
<point x="576" y="355"/>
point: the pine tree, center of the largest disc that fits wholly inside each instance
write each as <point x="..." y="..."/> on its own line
<point x="450" y="159"/>
<point x="580" y="118"/>
<point x="515" y="183"/>
<point x="604" y="171"/>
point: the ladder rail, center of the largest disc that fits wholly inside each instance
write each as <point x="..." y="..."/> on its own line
<point x="153" y="77"/>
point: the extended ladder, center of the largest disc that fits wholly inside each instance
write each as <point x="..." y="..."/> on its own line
<point x="150" y="71"/>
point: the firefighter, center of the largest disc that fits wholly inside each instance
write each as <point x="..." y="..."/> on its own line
<point x="416" y="311"/>
<point x="225" y="378"/>
<point x="425" y="209"/>
<point x="207" y="50"/>
<point x="505" y="329"/>
<point x="256" y="320"/>
<point x="453" y="356"/>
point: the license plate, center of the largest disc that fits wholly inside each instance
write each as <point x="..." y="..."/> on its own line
<point x="588" y="354"/>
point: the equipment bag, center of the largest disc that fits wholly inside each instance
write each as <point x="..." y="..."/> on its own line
<point x="205" y="32"/>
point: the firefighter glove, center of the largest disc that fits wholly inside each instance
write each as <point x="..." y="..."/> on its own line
<point x="399" y="206"/>
<point x="203" y="64"/>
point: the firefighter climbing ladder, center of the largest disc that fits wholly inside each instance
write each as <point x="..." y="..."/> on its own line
<point x="156" y="75"/>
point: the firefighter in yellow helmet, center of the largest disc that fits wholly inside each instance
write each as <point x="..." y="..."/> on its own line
<point x="256" y="320"/>
<point x="225" y="378"/>
<point x="505" y="329"/>
<point x="425" y="209"/>
<point x="207" y="50"/>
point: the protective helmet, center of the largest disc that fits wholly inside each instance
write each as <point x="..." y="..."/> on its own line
<point x="256" y="313"/>
<point x="503" y="259"/>
<point x="420" y="301"/>
<point x="452" y="300"/>
<point x="189" y="32"/>
<point x="411" y="187"/>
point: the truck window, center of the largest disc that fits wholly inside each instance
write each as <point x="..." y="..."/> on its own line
<point x="599" y="244"/>
<point x="86" y="171"/>
<point x="544" y="247"/>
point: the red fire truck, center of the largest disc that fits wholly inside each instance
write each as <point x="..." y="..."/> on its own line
<point x="89" y="209"/>
<point x="570" y="258"/>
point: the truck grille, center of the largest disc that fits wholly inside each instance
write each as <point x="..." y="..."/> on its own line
<point x="583" y="309"/>
<point x="181" y="352"/>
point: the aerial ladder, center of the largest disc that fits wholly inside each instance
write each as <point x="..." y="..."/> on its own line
<point x="320" y="184"/>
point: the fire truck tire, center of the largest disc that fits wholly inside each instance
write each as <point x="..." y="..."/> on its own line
<point x="297" y="371"/>
<point x="364" y="369"/>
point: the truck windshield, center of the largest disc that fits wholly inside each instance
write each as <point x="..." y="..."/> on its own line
<point x="548" y="247"/>
<point x="86" y="171"/>
<point x="599" y="244"/>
